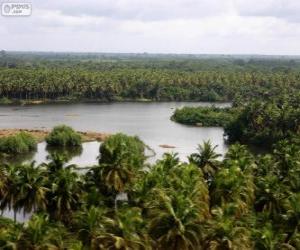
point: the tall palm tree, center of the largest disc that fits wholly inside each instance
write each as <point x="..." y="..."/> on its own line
<point x="32" y="188"/>
<point x="64" y="195"/>
<point x="206" y="160"/>
<point x="11" y="193"/>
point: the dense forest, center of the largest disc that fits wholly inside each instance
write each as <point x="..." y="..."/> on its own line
<point x="240" y="200"/>
<point x="110" y="77"/>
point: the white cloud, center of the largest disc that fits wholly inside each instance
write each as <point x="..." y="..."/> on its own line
<point x="179" y="26"/>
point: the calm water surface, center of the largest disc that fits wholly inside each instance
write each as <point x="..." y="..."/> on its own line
<point x="150" y="121"/>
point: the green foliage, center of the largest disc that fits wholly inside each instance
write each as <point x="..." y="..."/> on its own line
<point x="63" y="136"/>
<point x="121" y="157"/>
<point x="203" y="116"/>
<point x="17" y="144"/>
<point x="115" y="77"/>
<point x="265" y="123"/>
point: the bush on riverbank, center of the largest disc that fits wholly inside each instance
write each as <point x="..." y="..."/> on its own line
<point x="63" y="136"/>
<point x="203" y="116"/>
<point x="18" y="144"/>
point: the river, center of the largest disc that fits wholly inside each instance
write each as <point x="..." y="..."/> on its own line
<point x="150" y="121"/>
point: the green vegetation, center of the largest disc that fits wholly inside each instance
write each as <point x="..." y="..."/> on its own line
<point x="17" y="144"/>
<point x="265" y="123"/>
<point x="243" y="201"/>
<point x="63" y="136"/>
<point x="109" y="77"/>
<point x="240" y="201"/>
<point x="121" y="157"/>
<point x="203" y="116"/>
<point x="260" y="123"/>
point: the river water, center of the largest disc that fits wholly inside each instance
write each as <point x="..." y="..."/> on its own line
<point x="150" y="121"/>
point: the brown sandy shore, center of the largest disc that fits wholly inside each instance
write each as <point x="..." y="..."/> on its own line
<point x="40" y="134"/>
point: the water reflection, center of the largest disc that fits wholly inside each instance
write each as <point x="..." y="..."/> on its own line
<point x="86" y="155"/>
<point x="18" y="158"/>
<point x="68" y="152"/>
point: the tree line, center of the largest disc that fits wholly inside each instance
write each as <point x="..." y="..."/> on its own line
<point x="116" y="77"/>
<point x="127" y="84"/>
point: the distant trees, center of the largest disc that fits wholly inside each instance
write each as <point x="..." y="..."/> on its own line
<point x="76" y="83"/>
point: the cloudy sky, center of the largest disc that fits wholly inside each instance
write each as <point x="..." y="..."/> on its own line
<point x="156" y="26"/>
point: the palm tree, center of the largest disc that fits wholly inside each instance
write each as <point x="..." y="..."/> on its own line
<point x="3" y="181"/>
<point x="123" y="232"/>
<point x="11" y="192"/>
<point x="57" y="162"/>
<point x="89" y="224"/>
<point x="206" y="160"/>
<point x="32" y="188"/>
<point x="9" y="234"/>
<point x="231" y="185"/>
<point x="40" y="233"/>
<point x="224" y="233"/>
<point x="116" y="176"/>
<point x="175" y="222"/>
<point x="292" y="215"/>
<point x="121" y="157"/>
<point x="169" y="161"/>
<point x="64" y="195"/>
<point x="238" y="154"/>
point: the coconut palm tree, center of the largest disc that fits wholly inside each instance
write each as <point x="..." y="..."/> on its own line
<point x="123" y="232"/>
<point x="11" y="192"/>
<point x="3" y="181"/>
<point x="121" y="157"/>
<point x="32" y="183"/>
<point x="206" y="160"/>
<point x="89" y="224"/>
<point x="40" y="233"/>
<point x="175" y="222"/>
<point x="224" y="233"/>
<point x="9" y="234"/>
<point x="64" y="195"/>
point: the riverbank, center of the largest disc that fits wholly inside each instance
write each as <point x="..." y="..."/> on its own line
<point x="22" y="102"/>
<point x="40" y="134"/>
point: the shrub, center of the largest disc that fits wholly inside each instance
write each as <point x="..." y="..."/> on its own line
<point x="64" y="136"/>
<point x="20" y="143"/>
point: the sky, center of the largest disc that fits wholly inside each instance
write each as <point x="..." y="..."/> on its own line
<point x="156" y="26"/>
